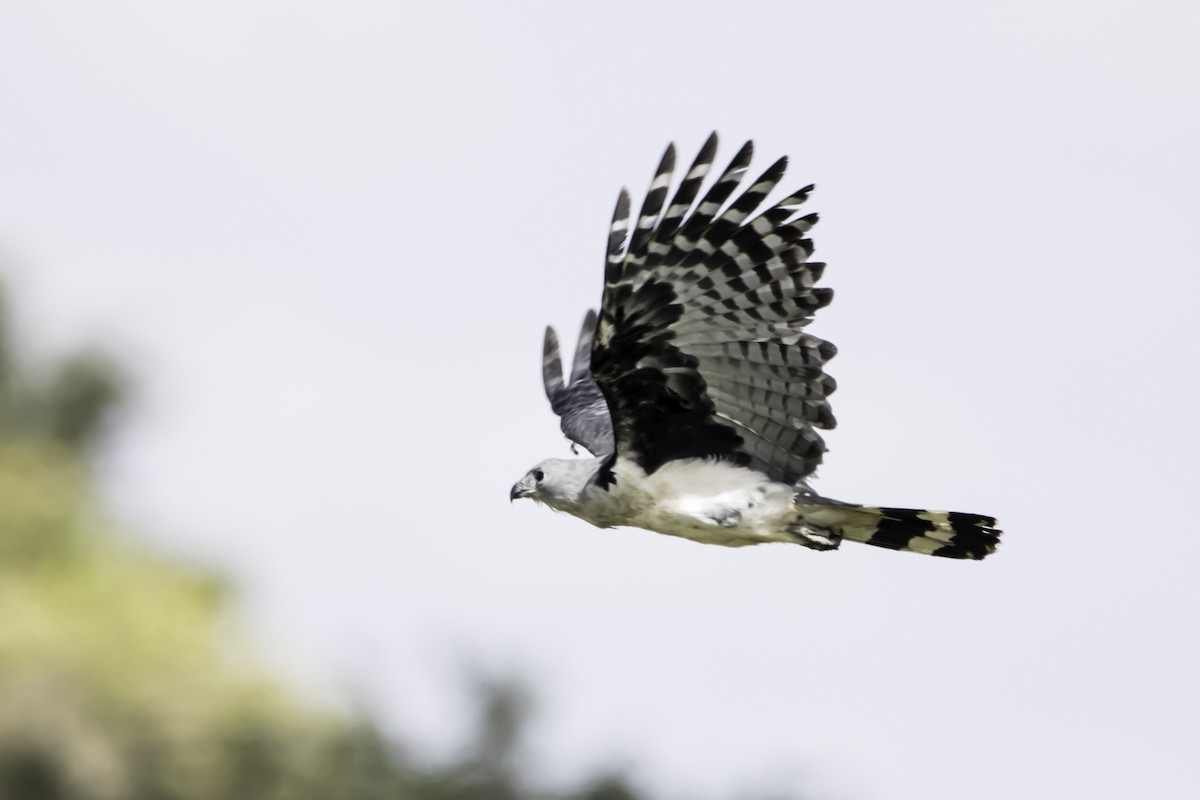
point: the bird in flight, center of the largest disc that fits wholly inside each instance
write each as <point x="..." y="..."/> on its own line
<point x="697" y="390"/>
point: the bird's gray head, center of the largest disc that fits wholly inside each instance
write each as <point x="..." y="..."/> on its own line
<point x="557" y="482"/>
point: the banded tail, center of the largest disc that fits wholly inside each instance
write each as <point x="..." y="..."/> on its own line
<point x="948" y="534"/>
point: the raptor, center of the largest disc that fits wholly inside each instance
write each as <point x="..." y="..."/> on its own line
<point x="697" y="389"/>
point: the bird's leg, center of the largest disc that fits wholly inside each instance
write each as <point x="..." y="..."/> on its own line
<point x="813" y="537"/>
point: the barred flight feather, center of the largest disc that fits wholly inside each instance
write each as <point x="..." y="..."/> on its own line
<point x="693" y="229"/>
<point x="809" y="383"/>
<point x="689" y="187"/>
<point x="651" y="208"/>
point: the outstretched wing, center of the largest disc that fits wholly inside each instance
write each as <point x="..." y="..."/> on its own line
<point x="700" y="349"/>
<point x="580" y="404"/>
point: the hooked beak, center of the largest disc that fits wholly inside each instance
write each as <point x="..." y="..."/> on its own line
<point x="522" y="488"/>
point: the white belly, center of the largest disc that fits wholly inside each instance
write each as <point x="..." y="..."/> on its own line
<point x="706" y="501"/>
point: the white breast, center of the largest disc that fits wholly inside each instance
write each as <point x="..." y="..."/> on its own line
<point x="704" y="500"/>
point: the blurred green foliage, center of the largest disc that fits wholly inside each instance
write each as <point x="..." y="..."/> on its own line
<point x="70" y="402"/>
<point x="119" y="677"/>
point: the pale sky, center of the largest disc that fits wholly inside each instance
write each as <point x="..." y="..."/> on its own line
<point x="326" y="237"/>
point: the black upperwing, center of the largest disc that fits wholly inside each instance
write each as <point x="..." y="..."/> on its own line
<point x="699" y="350"/>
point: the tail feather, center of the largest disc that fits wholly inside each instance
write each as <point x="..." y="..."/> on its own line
<point x="947" y="534"/>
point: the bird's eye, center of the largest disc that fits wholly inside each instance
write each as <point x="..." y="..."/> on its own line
<point x="538" y="475"/>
